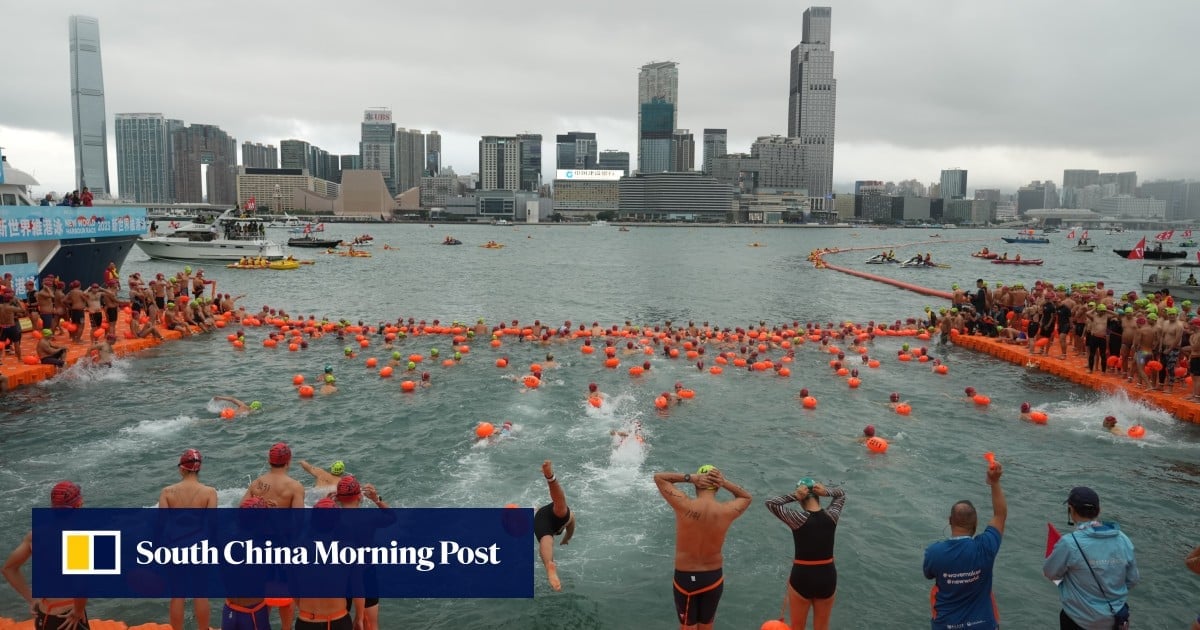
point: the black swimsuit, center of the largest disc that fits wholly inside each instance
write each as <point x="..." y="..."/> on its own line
<point x="547" y="523"/>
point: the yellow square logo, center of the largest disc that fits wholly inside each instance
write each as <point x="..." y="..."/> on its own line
<point x="91" y="553"/>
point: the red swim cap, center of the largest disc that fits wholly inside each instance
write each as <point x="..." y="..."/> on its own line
<point x="254" y="502"/>
<point x="869" y="431"/>
<point x="66" y="494"/>
<point x="280" y="454"/>
<point x="190" y="460"/>
<point x="325" y="503"/>
<point x="348" y="489"/>
<point x="1025" y="407"/>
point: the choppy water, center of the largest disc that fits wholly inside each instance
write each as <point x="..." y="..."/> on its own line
<point x="120" y="431"/>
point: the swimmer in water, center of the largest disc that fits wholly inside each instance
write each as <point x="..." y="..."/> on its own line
<point x="549" y="362"/>
<point x="551" y="520"/>
<point x="425" y="382"/>
<point x="329" y="387"/>
<point x="325" y="480"/>
<point x="102" y="351"/>
<point x="895" y="402"/>
<point x="636" y="433"/>
<point x="1110" y="425"/>
<point x="868" y="432"/>
<point x="239" y="407"/>
<point x="1025" y="411"/>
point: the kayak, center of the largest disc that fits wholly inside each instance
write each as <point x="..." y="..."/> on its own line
<point x="987" y="256"/>
<point x="496" y="246"/>
<point x="921" y="265"/>
<point x="1024" y="261"/>
<point x="284" y="264"/>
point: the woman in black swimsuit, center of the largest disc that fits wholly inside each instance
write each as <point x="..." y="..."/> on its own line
<point x="813" y="581"/>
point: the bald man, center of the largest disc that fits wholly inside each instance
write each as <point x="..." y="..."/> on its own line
<point x="962" y="565"/>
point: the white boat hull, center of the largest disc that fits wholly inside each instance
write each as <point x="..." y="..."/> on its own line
<point x="167" y="248"/>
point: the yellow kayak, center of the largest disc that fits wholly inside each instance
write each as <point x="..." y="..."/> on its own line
<point x="284" y="264"/>
<point x="356" y="254"/>
<point x="496" y="246"/>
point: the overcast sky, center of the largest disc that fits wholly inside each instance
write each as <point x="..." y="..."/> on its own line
<point x="1012" y="91"/>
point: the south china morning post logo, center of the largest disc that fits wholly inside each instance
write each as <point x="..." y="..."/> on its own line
<point x="227" y="552"/>
<point x="91" y="552"/>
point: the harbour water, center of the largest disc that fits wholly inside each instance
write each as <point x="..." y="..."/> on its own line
<point x="119" y="432"/>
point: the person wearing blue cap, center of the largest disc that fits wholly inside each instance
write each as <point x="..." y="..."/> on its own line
<point x="1096" y="566"/>
<point x="813" y="580"/>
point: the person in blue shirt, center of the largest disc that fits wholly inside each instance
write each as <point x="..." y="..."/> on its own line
<point x="1096" y="566"/>
<point x="961" y="566"/>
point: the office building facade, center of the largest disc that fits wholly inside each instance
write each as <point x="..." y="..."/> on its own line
<point x="715" y="145"/>
<point x="576" y="150"/>
<point x="410" y="158"/>
<point x="274" y="189"/>
<point x="683" y="151"/>
<point x="377" y="148"/>
<point x="774" y="162"/>
<point x="499" y="163"/>
<point x="954" y="183"/>
<point x="88" y="118"/>
<point x="433" y="153"/>
<point x="812" y="100"/>
<point x="658" y="97"/>
<point x="613" y="161"/>
<point x="530" y="153"/>
<point x="294" y="155"/>
<point x="143" y="164"/>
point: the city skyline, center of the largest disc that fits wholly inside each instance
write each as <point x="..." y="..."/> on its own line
<point x="1066" y="98"/>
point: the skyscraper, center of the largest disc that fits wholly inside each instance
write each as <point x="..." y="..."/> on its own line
<point x="576" y="150"/>
<point x="658" y="96"/>
<point x="433" y="153"/>
<point x="530" y="150"/>
<point x="812" y="102"/>
<point x="499" y="163"/>
<point x="378" y="146"/>
<point x="410" y="158"/>
<point x="255" y="155"/>
<point x="715" y="141"/>
<point x="196" y="147"/>
<point x="143" y="171"/>
<point x="87" y="106"/>
<point x="610" y="160"/>
<point x="294" y="154"/>
<point x="954" y="183"/>
<point x="683" y="151"/>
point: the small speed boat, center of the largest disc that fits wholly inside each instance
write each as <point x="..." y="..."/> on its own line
<point x="1084" y="248"/>
<point x="1017" y="261"/>
<point x="1188" y="243"/>
<point x="308" y="240"/>
<point x="1026" y="239"/>
<point x="451" y="241"/>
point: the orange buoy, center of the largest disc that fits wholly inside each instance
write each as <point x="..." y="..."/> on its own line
<point x="636" y="370"/>
<point x="306" y="391"/>
<point x="716" y="369"/>
<point x="532" y="381"/>
<point x="238" y="344"/>
<point x="660" y="402"/>
<point x="774" y="624"/>
<point x="842" y="371"/>
<point x="739" y="362"/>
<point x="612" y="362"/>
<point x="785" y="372"/>
<point x="1153" y="367"/>
<point x="501" y="363"/>
<point x="673" y="353"/>
<point x="981" y="400"/>
<point x="407" y="386"/>
<point x="877" y="445"/>
<point x="298" y="379"/>
<point x="1136" y="432"/>
<point x="364" y="343"/>
<point x="595" y="401"/>
<point x="385" y="371"/>
<point x="228" y="413"/>
<point x="587" y="349"/>
<point x="1038" y="417"/>
<point x="1180" y="372"/>
<point x="809" y="402"/>
<point x="687" y="393"/>
<point x="853" y="382"/>
<point x="1042" y="342"/>
<point x="872" y="363"/>
<point x="495" y="343"/>
<point x="484" y="429"/>
<point x="941" y="369"/>
<point x="372" y="362"/>
<point x="905" y="357"/>
<point x="904" y="409"/>
<point x="268" y="343"/>
<point x="293" y="347"/>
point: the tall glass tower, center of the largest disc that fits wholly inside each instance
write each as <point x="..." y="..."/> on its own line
<point x="812" y="101"/>
<point x="658" y="97"/>
<point x="87" y="106"/>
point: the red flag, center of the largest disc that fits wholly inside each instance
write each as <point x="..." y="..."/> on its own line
<point x="1187" y="233"/>
<point x="1164" y="236"/>
<point x="1052" y="537"/>
<point x="1085" y="235"/>
<point x="1139" y="250"/>
<point x="1071" y="234"/>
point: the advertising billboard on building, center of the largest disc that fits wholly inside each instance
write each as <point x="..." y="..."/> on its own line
<point x="589" y="175"/>
<point x="377" y="115"/>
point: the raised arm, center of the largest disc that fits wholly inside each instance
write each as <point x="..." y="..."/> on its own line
<point x="999" y="503"/>
<point x="791" y="518"/>
<point x="666" y="487"/>
<point x="839" y="501"/>
<point x="12" y="568"/>
<point x="309" y="468"/>
<point x="741" y="498"/>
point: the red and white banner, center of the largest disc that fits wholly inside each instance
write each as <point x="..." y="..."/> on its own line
<point x="1071" y="234"/>
<point x="1085" y="235"/>
<point x="1139" y="250"/>
<point x="251" y="204"/>
<point x="1187" y="233"/>
<point x="1164" y="236"/>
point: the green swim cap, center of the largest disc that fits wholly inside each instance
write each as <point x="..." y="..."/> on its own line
<point x="1187" y="303"/>
<point x="704" y="469"/>
<point x="954" y="286"/>
<point x="328" y="368"/>
<point x="46" y="332"/>
<point x="348" y="350"/>
<point x="1152" y="316"/>
<point x="433" y="353"/>
<point x="170" y="305"/>
<point x="255" y="406"/>
<point x="1101" y="307"/>
<point x="904" y="347"/>
<point x="337" y="468"/>
<point x="396" y="355"/>
<point x="329" y="378"/>
<point x="807" y="482"/>
<point x="187" y="269"/>
<point x="458" y="356"/>
<point x="470" y="334"/>
<point x="412" y="365"/>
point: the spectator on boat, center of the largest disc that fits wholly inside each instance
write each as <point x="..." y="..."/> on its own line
<point x="85" y="198"/>
<point x="66" y="200"/>
<point x="1191" y="280"/>
<point x="48" y="200"/>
